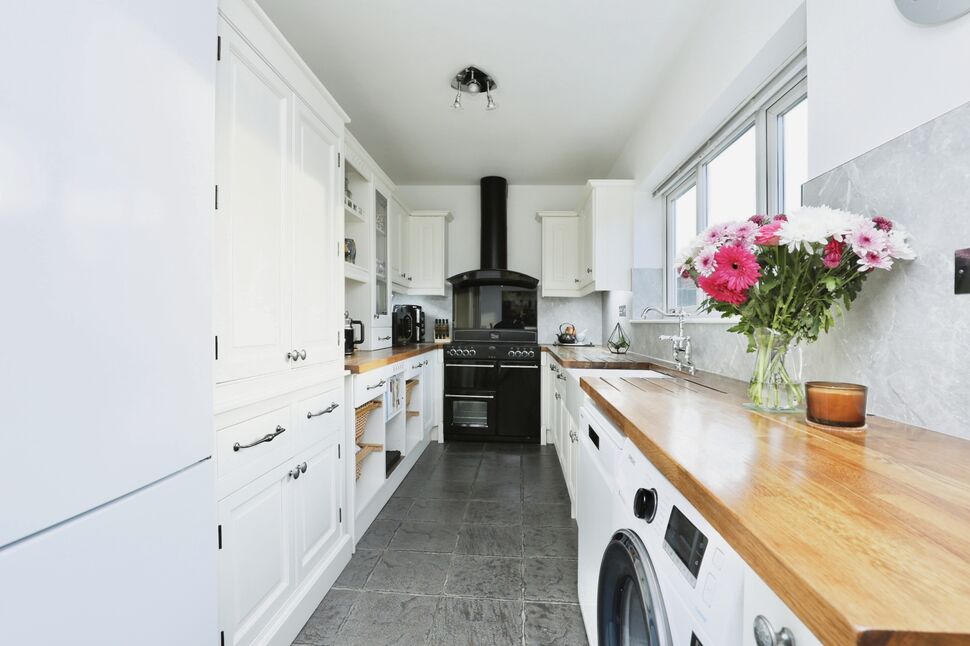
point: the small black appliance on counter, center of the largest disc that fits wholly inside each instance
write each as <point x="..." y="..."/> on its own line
<point x="407" y="324"/>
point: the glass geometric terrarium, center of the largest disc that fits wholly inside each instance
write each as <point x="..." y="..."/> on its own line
<point x="618" y="342"/>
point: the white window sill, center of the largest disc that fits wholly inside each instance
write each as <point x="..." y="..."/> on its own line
<point x="698" y="320"/>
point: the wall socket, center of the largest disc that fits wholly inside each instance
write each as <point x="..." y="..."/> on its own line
<point x="622" y="310"/>
<point x="961" y="271"/>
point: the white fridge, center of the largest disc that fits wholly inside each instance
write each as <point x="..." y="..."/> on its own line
<point x="108" y="531"/>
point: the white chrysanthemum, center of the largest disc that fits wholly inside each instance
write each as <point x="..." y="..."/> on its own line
<point x="815" y="225"/>
<point x="898" y="246"/>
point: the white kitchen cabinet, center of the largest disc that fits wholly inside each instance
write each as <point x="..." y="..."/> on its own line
<point x="400" y="241"/>
<point x="256" y="565"/>
<point x="590" y="249"/>
<point x="428" y="250"/>
<point x="560" y="244"/>
<point x="252" y="267"/>
<point x="317" y="505"/>
<point x="278" y="305"/>
<point x="381" y="286"/>
<point x="317" y="253"/>
<point x="432" y="391"/>
<point x="764" y="607"/>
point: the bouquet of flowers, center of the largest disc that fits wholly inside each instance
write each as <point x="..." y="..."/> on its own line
<point x="787" y="278"/>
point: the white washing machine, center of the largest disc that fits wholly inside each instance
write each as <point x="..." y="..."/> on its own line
<point x="597" y="502"/>
<point x="666" y="578"/>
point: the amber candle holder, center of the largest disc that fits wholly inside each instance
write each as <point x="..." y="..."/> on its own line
<point x="836" y="406"/>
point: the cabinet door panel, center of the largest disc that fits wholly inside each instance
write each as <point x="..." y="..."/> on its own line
<point x="256" y="568"/>
<point x="252" y="141"/>
<point x="317" y="294"/>
<point x="586" y="242"/>
<point x="317" y="498"/>
<point x="559" y="252"/>
<point x="400" y="232"/>
<point x="426" y="259"/>
<point x="430" y="390"/>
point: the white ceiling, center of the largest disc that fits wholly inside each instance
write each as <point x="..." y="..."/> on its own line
<point x="574" y="78"/>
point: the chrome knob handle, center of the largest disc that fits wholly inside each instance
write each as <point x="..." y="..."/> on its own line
<point x="575" y="280"/>
<point x="295" y="473"/>
<point x="326" y="411"/>
<point x="303" y="467"/>
<point x="302" y="354"/>
<point x="765" y="635"/>
<point x="589" y="270"/>
<point x="573" y="436"/>
<point x="377" y="385"/>
<point x="293" y="355"/>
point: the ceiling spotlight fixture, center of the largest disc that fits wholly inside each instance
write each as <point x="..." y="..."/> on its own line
<point x="474" y="81"/>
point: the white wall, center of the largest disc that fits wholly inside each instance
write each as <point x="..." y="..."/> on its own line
<point x="874" y="75"/>
<point x="464" y="232"/>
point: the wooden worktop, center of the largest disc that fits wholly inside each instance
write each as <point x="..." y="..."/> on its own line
<point x="365" y="361"/>
<point x="595" y="358"/>
<point x="866" y="538"/>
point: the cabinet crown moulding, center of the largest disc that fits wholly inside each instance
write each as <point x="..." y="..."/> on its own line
<point x="554" y="214"/>
<point x="447" y="215"/>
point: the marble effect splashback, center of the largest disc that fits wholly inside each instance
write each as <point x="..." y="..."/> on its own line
<point x="585" y="313"/>
<point x="906" y="336"/>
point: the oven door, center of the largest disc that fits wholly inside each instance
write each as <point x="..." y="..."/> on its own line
<point x="470" y="417"/>
<point x="470" y="408"/>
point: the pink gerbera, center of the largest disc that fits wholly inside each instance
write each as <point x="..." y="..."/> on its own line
<point x="720" y="291"/>
<point x="768" y="235"/>
<point x="737" y="268"/>
<point x="706" y="262"/>
<point x="874" y="260"/>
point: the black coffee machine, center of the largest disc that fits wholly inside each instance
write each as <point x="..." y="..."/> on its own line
<point x="350" y="341"/>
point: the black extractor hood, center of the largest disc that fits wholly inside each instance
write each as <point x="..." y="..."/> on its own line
<point x="495" y="255"/>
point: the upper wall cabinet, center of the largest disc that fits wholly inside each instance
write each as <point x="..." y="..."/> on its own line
<point x="278" y="256"/>
<point x="425" y="261"/>
<point x="590" y="249"/>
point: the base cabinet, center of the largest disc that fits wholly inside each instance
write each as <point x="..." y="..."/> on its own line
<point x="256" y="573"/>
<point x="277" y="535"/>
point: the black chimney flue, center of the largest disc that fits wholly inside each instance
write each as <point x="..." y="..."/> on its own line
<point x="495" y="197"/>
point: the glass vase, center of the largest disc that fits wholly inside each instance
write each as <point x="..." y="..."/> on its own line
<point x="776" y="384"/>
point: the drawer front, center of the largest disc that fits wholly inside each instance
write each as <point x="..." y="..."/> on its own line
<point x="369" y="385"/>
<point x="255" y="445"/>
<point x="382" y="338"/>
<point x="318" y="416"/>
<point x="414" y="365"/>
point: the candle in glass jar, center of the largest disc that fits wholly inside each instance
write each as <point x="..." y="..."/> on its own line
<point x="835" y="404"/>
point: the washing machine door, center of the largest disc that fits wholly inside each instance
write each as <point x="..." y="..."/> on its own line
<point x="630" y="607"/>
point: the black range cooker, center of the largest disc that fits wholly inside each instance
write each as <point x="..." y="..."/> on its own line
<point x="492" y="383"/>
<point x="492" y="392"/>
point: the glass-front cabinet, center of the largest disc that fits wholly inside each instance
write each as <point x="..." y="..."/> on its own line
<point x="382" y="289"/>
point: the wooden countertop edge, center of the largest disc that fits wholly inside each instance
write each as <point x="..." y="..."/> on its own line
<point x="366" y="361"/>
<point x="603" y="361"/>
<point x="825" y="620"/>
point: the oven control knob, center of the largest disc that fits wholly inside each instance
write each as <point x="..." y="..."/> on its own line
<point x="645" y="504"/>
<point x="474" y="352"/>
<point x="532" y="354"/>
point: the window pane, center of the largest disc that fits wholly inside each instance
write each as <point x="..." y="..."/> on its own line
<point x="794" y="140"/>
<point x="685" y="219"/>
<point x="732" y="181"/>
<point x="685" y="228"/>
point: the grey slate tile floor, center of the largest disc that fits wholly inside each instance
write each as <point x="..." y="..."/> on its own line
<point x="475" y="547"/>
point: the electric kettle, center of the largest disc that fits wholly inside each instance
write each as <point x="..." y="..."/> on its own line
<point x="350" y="341"/>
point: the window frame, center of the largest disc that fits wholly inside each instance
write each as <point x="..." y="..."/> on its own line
<point x="762" y="111"/>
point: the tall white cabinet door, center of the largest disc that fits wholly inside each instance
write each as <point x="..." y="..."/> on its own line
<point x="256" y="566"/>
<point x="400" y="244"/>
<point x="251" y="244"/>
<point x="559" y="250"/>
<point x="316" y="502"/>
<point x="430" y="391"/>
<point x="584" y="253"/>
<point x="317" y="299"/>
<point x="426" y="260"/>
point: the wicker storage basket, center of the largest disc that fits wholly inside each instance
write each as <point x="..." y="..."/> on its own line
<point x="410" y="389"/>
<point x="361" y="415"/>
